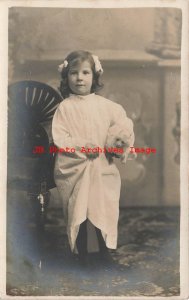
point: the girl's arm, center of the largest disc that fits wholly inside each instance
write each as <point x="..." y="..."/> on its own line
<point x="121" y="134"/>
<point x="125" y="124"/>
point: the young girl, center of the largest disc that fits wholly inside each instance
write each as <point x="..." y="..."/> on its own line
<point x="86" y="177"/>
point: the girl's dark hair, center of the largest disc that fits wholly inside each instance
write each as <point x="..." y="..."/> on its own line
<point x="73" y="59"/>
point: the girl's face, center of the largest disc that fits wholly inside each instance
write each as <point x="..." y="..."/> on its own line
<point x="80" y="78"/>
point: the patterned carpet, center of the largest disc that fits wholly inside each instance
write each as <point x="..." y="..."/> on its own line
<point x="146" y="262"/>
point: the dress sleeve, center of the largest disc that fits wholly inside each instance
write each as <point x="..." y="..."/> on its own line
<point x="121" y="128"/>
<point x="124" y="125"/>
<point x="60" y="132"/>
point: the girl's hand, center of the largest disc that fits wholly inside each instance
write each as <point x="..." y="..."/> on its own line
<point x="91" y="153"/>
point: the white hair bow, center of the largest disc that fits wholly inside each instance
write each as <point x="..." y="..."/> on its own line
<point x="62" y="66"/>
<point x="98" y="66"/>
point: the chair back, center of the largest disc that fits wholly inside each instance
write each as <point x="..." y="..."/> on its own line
<point x="31" y="106"/>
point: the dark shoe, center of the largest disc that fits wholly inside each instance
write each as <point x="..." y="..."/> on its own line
<point x="106" y="258"/>
<point x="84" y="261"/>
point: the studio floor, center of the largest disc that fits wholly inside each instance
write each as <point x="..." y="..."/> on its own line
<point x="146" y="262"/>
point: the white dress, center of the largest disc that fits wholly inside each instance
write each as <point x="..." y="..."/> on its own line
<point x="89" y="189"/>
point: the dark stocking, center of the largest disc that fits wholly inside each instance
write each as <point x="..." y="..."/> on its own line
<point x="101" y="242"/>
<point x="104" y="253"/>
<point x="81" y="240"/>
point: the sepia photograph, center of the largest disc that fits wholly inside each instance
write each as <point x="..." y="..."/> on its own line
<point x="95" y="203"/>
